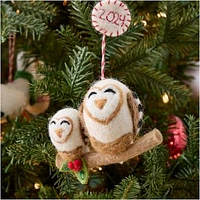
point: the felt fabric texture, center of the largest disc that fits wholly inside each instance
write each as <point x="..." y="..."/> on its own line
<point x="64" y="130"/>
<point x="140" y="145"/>
<point x="119" y="145"/>
<point x="24" y="75"/>
<point x="14" y="97"/>
<point x="136" y="111"/>
<point x="71" y="155"/>
<point x="111" y="17"/>
<point x="108" y="112"/>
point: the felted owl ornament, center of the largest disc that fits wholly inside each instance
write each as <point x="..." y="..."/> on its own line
<point x="111" y="116"/>
<point x="65" y="134"/>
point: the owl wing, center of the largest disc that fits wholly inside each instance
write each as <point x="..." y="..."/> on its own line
<point x="82" y="122"/>
<point x="136" y="111"/>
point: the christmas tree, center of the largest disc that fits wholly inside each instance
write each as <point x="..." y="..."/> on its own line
<point x="152" y="57"/>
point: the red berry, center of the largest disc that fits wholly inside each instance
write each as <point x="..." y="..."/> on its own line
<point x="70" y="165"/>
<point x="77" y="165"/>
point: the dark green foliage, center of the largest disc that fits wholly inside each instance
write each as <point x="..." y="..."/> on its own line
<point x="73" y="80"/>
<point x="30" y="19"/>
<point x="66" y="184"/>
<point x="22" y="161"/>
<point x="47" y="192"/>
<point x="77" y="77"/>
<point x="24" y="150"/>
<point x="158" y="83"/>
<point x="80" y="13"/>
<point x="129" y="188"/>
<point x="185" y="172"/>
<point x="69" y="38"/>
<point x="156" y="183"/>
<point x="93" y="195"/>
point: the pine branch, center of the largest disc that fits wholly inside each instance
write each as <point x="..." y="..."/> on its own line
<point x="188" y="172"/>
<point x="24" y="22"/>
<point x="93" y="195"/>
<point x="49" y="83"/>
<point x="187" y="165"/>
<point x="185" y="189"/>
<point x="55" y="57"/>
<point x="182" y="25"/>
<point x="47" y="192"/>
<point x="66" y="183"/>
<point x="180" y="18"/>
<point x="156" y="183"/>
<point x="117" y="46"/>
<point x="32" y="144"/>
<point x="128" y="188"/>
<point x="39" y="9"/>
<point x="158" y="83"/>
<point x="80" y="12"/>
<point x="78" y="76"/>
<point x="73" y="81"/>
<point x="69" y="38"/>
<point x="192" y="126"/>
<point x="170" y="30"/>
<point x="143" y="52"/>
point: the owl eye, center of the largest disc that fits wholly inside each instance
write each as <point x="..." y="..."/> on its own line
<point x="53" y="122"/>
<point x="110" y="90"/>
<point x="64" y="121"/>
<point x="92" y="93"/>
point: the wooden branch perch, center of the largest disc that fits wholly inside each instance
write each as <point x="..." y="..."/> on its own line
<point x="141" y="145"/>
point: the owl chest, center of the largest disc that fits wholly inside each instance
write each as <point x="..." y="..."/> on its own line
<point x="120" y="125"/>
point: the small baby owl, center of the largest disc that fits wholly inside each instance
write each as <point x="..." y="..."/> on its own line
<point x="65" y="133"/>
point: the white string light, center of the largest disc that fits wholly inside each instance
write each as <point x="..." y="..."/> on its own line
<point x="161" y="14"/>
<point x="165" y="98"/>
<point x="37" y="185"/>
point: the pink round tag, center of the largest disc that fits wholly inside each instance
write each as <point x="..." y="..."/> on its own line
<point x="111" y="17"/>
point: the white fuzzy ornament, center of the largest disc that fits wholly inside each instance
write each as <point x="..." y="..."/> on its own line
<point x="193" y="72"/>
<point x="111" y="116"/>
<point x="15" y="95"/>
<point x="65" y="132"/>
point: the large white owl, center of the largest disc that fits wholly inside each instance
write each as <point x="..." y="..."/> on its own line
<point x="65" y="133"/>
<point x="111" y="115"/>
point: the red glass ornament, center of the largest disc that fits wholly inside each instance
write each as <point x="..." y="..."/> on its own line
<point x="177" y="139"/>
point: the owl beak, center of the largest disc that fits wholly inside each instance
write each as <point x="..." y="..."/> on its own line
<point x="59" y="132"/>
<point x="100" y="103"/>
